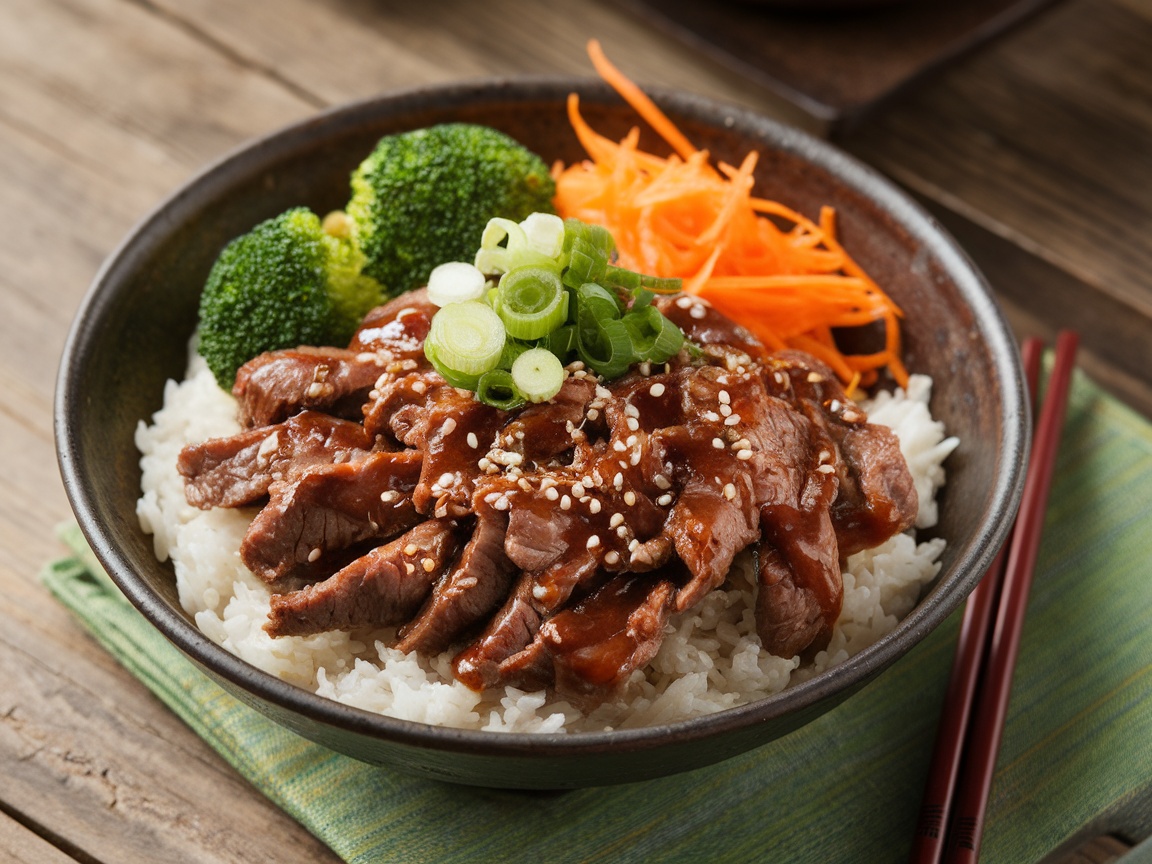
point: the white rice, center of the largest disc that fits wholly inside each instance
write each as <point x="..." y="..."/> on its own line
<point x="709" y="661"/>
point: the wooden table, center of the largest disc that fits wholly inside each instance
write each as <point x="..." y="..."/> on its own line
<point x="1036" y="151"/>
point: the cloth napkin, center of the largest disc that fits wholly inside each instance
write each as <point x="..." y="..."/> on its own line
<point x="1076" y="753"/>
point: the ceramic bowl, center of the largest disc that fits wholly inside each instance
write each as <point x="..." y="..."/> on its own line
<point x="130" y="336"/>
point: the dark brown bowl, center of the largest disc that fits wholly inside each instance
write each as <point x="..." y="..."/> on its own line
<point x="130" y="334"/>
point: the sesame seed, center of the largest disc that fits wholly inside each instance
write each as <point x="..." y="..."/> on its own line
<point x="389" y="497"/>
<point x="683" y="302"/>
<point x="619" y="446"/>
<point x="409" y="567"/>
<point x="578" y="490"/>
<point x="631" y="410"/>
<point x="645" y="368"/>
<point x="733" y="420"/>
<point x="594" y="505"/>
<point x="593" y="541"/>
<point x="724" y="397"/>
<point x="662" y="482"/>
<point x="622" y="532"/>
<point x="729" y="491"/>
<point x="428" y="564"/>
<point x="634" y="545"/>
<point x="315" y="389"/>
<point x="468" y="582"/>
<point x="850" y="416"/>
<point x="484" y="464"/>
<point x="446" y="479"/>
<point x="815" y="377"/>
<point x="631" y="441"/>
<point x="501" y="503"/>
<point x="826" y="469"/>
<point x="664" y="500"/>
<point x="523" y="483"/>
<point x="717" y="443"/>
<point x="565" y="503"/>
<point x="539" y="592"/>
<point x="617" y="519"/>
<point x="593" y="414"/>
<point x="636" y="456"/>
<point x="419" y="387"/>
<point x="612" y="557"/>
<point x="449" y="426"/>
<point x="547" y="483"/>
<point x="834" y="406"/>
<point x="618" y="480"/>
<point x="824" y="456"/>
<point x="656" y="389"/>
<point x="411" y="549"/>
<point x="743" y="455"/>
<point x="633" y="424"/>
<point x="629" y="497"/>
<point x="314" y="555"/>
<point x="725" y="410"/>
<point x="551" y="494"/>
<point x="697" y="312"/>
<point x="711" y="416"/>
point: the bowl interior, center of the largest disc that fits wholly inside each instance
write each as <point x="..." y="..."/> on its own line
<point x="132" y="332"/>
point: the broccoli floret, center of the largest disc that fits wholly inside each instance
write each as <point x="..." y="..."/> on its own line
<point x="423" y="198"/>
<point x="287" y="282"/>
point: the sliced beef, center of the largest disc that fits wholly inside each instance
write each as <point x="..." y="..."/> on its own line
<point x="238" y="470"/>
<point x="705" y="326"/>
<point x="589" y="650"/>
<point x="275" y="385"/>
<point x="384" y="587"/>
<point x="508" y="633"/>
<point x="310" y="520"/>
<point x="549" y="429"/>
<point x="878" y="498"/>
<point x="477" y="583"/>
<point x="397" y="406"/>
<point x="800" y="588"/>
<point x="451" y="464"/>
<point x="397" y="329"/>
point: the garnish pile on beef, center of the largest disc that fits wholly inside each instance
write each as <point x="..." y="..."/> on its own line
<point x="549" y="546"/>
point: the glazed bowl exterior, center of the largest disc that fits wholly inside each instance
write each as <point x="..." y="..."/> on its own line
<point x="132" y="331"/>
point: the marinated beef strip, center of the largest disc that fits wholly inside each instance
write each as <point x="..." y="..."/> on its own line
<point x="508" y="632"/>
<point x="396" y="329"/>
<point x="273" y="386"/>
<point x="589" y="650"/>
<point x="240" y="469"/>
<point x="876" y="496"/>
<point x="382" y="588"/>
<point x="472" y="589"/>
<point x="550" y="429"/>
<point x="311" y="520"/>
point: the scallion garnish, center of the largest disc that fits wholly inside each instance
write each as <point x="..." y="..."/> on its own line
<point x="538" y="374"/>
<point x="466" y="337"/>
<point x="560" y="297"/>
<point x="531" y="301"/>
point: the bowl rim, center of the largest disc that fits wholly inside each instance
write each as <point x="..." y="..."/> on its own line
<point x="949" y="590"/>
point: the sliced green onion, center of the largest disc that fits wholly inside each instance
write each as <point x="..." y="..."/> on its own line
<point x="455" y="282"/>
<point x="537" y="374"/>
<point x="531" y="301"/>
<point x="606" y="347"/>
<point x="545" y="233"/>
<point x="505" y="245"/>
<point x="654" y="337"/>
<point x="496" y="388"/>
<point x="662" y="284"/>
<point x="589" y="249"/>
<point x="456" y="379"/>
<point x="467" y="337"/>
<point x="561" y="341"/>
<point x="512" y="350"/>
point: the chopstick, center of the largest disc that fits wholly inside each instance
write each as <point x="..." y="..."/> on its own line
<point x="976" y="702"/>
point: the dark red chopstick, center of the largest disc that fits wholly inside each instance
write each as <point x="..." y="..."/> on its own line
<point x="968" y="739"/>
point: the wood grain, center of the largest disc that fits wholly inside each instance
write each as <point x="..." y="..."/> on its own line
<point x="1036" y="153"/>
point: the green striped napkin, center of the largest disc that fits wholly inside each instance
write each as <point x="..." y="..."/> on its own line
<point x="1076" y="756"/>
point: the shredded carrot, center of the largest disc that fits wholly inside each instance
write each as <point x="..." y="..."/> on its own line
<point x="779" y="273"/>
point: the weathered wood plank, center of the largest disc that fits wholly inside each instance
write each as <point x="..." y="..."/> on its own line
<point x="1045" y="142"/>
<point x="18" y="845"/>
